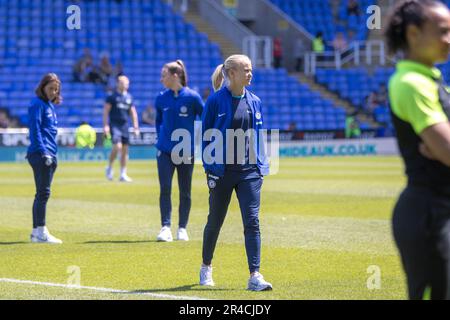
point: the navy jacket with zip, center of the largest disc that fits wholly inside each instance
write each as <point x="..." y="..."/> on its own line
<point x="218" y="115"/>
<point x="174" y="113"/>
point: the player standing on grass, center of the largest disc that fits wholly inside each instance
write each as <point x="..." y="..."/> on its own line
<point x="42" y="151"/>
<point x="420" y="105"/>
<point x="118" y="107"/>
<point x="176" y="108"/>
<point x="235" y="109"/>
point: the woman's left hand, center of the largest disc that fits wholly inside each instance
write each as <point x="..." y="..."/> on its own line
<point x="426" y="152"/>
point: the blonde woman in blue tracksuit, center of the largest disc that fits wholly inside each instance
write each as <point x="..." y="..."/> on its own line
<point x="234" y="109"/>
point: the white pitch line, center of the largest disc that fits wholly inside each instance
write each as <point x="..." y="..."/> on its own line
<point x="106" y="290"/>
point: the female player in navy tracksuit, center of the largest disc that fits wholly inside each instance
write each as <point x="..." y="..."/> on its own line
<point x="176" y="108"/>
<point x="42" y="151"/>
<point x="242" y="167"/>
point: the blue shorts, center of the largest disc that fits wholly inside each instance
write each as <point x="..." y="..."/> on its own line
<point x="120" y="134"/>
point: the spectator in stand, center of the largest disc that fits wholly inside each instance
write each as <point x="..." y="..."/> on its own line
<point x="116" y="73"/>
<point x="350" y="36"/>
<point x="382" y="95"/>
<point x="79" y="69"/>
<point x="85" y="136"/>
<point x="118" y="69"/>
<point x="93" y="73"/>
<point x="4" y="121"/>
<point x="340" y="43"/>
<point x="292" y="126"/>
<point x="105" y="69"/>
<point x="277" y="52"/>
<point x="318" y="44"/>
<point x="231" y="6"/>
<point x="299" y="53"/>
<point x="149" y="115"/>
<point x="85" y="70"/>
<point x="14" y="123"/>
<point x="352" y="129"/>
<point x="371" y="103"/>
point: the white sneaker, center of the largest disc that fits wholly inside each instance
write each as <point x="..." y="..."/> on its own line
<point x="206" y="276"/>
<point x="257" y="283"/>
<point x="109" y="173"/>
<point x="43" y="236"/>
<point x="165" y="234"/>
<point x="182" y="235"/>
<point x="125" y="178"/>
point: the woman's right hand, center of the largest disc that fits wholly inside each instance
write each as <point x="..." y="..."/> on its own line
<point x="48" y="160"/>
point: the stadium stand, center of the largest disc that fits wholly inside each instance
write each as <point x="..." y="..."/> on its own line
<point x="143" y="35"/>
<point x="355" y="85"/>
<point x="317" y="15"/>
<point x="286" y="100"/>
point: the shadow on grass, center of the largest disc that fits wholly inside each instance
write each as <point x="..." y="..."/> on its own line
<point x="13" y="243"/>
<point x="191" y="287"/>
<point x="119" y="241"/>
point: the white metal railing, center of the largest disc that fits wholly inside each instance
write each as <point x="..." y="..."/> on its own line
<point x="259" y="50"/>
<point x="368" y="50"/>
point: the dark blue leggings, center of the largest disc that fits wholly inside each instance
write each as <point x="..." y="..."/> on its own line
<point x="248" y="191"/>
<point x="421" y="229"/>
<point x="166" y="169"/>
<point x="43" y="176"/>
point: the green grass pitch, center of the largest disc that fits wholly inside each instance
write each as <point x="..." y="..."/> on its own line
<point x="324" y="222"/>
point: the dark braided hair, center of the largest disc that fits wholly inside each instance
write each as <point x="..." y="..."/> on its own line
<point x="405" y="13"/>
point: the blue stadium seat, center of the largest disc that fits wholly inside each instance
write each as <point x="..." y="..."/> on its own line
<point x="143" y="35"/>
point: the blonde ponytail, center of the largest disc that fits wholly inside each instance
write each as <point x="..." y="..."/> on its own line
<point x="177" y="67"/>
<point x="221" y="72"/>
<point x="183" y="76"/>
<point x="217" y="77"/>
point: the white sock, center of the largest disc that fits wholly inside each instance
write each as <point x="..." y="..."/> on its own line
<point x="123" y="172"/>
<point x="35" y="232"/>
<point x="41" y="230"/>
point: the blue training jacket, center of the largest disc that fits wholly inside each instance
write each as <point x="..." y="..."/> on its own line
<point x="42" y="126"/>
<point x="176" y="113"/>
<point x="218" y="115"/>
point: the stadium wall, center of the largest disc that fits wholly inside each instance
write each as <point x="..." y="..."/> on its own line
<point x="13" y="148"/>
